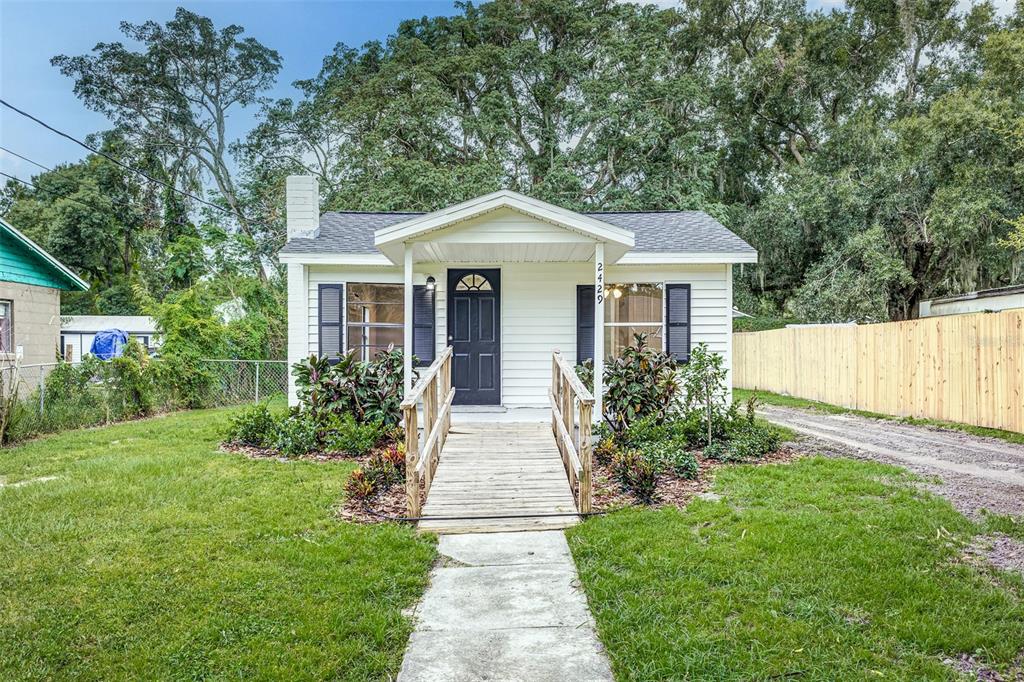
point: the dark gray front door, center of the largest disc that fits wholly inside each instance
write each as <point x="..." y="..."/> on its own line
<point x="474" y="333"/>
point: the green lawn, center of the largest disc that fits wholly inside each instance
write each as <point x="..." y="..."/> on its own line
<point x="740" y="395"/>
<point x="820" y="570"/>
<point x="153" y="556"/>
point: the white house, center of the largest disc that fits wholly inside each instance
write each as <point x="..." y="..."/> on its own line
<point x="505" y="279"/>
<point x="77" y="332"/>
<point x="1003" y="298"/>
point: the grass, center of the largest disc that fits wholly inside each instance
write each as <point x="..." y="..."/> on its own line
<point x="151" y="555"/>
<point x="820" y="570"/>
<point x="741" y="395"/>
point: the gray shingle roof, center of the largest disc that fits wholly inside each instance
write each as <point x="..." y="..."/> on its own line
<point x="655" y="231"/>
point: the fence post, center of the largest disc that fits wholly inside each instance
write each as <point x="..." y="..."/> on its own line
<point x="42" y="391"/>
<point x="257" y="381"/>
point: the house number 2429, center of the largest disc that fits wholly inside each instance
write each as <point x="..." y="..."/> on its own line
<point x="600" y="282"/>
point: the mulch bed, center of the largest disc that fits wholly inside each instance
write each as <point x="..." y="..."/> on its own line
<point x="671" y="490"/>
<point x="384" y="506"/>
<point x="608" y="494"/>
<point x="269" y="453"/>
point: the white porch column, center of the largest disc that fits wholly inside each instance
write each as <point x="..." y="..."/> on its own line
<point x="598" y="331"/>
<point x="407" y="323"/>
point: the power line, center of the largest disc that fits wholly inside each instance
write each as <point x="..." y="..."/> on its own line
<point x="60" y="196"/>
<point x="113" y="159"/>
<point x="25" y="158"/>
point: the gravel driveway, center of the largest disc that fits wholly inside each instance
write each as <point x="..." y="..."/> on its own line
<point x="975" y="473"/>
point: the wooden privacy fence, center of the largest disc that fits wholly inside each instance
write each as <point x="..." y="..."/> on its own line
<point x="572" y="405"/>
<point x="434" y="388"/>
<point x="962" y="368"/>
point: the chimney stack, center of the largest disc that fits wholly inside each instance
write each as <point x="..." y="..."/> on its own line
<point x="302" y="206"/>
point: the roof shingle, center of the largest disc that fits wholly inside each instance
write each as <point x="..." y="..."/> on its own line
<point x="654" y="231"/>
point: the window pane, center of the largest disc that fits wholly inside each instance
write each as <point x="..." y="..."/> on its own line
<point x="473" y="282"/>
<point x="633" y="303"/>
<point x="617" y="338"/>
<point x="369" y="340"/>
<point x="375" y="303"/>
<point x="5" y="327"/>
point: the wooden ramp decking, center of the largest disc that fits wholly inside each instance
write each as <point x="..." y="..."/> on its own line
<point x="492" y="469"/>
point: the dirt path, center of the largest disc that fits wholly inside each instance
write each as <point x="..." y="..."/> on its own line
<point x="975" y="473"/>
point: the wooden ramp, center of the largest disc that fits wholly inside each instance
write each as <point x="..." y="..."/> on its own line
<point x="491" y="469"/>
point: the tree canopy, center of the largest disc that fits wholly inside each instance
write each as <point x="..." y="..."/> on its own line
<point x="873" y="153"/>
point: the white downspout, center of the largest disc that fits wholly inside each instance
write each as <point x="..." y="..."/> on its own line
<point x="598" y="331"/>
<point x="407" y="322"/>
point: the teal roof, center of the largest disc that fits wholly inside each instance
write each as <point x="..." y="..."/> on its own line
<point x="25" y="262"/>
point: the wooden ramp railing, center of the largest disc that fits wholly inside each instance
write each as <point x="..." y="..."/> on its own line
<point x="434" y="390"/>
<point x="571" y="405"/>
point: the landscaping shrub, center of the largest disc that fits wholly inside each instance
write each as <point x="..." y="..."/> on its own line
<point x="383" y="472"/>
<point x="369" y="391"/>
<point x="256" y="426"/>
<point x="297" y="435"/>
<point x="641" y="382"/>
<point x="605" y="450"/>
<point x="344" y="434"/>
<point x="753" y="441"/>
<point x="360" y="486"/>
<point x="704" y="393"/>
<point x="671" y="456"/>
<point x="394" y="455"/>
<point x="635" y="473"/>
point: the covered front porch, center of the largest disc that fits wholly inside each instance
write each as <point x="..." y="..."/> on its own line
<point x="510" y="278"/>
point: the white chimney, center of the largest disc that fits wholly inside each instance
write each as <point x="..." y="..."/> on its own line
<point x="302" y="206"/>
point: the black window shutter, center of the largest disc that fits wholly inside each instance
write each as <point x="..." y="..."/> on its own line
<point x="677" y="321"/>
<point x="331" y="310"/>
<point x="423" y="323"/>
<point x="584" y="322"/>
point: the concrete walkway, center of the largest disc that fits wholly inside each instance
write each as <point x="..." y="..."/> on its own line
<point x="504" y="606"/>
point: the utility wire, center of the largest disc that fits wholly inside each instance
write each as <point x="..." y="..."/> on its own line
<point x="60" y="196"/>
<point x="25" y="158"/>
<point x="113" y="159"/>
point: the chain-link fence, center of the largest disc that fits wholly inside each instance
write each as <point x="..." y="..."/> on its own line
<point x="241" y="381"/>
<point x="42" y="398"/>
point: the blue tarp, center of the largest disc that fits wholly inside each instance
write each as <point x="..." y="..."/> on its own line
<point x="109" y="343"/>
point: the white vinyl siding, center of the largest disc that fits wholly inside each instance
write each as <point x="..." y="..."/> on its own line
<point x="538" y="311"/>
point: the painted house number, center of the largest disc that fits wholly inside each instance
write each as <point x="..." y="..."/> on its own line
<point x="600" y="282"/>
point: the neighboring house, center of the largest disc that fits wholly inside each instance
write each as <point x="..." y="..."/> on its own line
<point x="505" y="279"/>
<point x="30" y="284"/>
<point x="1003" y="298"/>
<point x="77" y="332"/>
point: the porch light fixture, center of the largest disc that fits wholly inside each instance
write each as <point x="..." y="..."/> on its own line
<point x="616" y="292"/>
<point x="431" y="283"/>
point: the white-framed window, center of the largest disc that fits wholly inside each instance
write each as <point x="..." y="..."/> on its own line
<point x="374" y="315"/>
<point x="6" y="326"/>
<point x="633" y="308"/>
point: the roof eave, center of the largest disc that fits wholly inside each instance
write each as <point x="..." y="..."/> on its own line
<point x="77" y="283"/>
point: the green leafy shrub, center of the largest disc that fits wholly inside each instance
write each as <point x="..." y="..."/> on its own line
<point x="705" y="393"/>
<point x="671" y="456"/>
<point x="344" y="434"/>
<point x="255" y="425"/>
<point x="585" y="372"/>
<point x="717" y="451"/>
<point x="369" y="391"/>
<point x="297" y="435"/>
<point x="131" y="382"/>
<point x="753" y="441"/>
<point x="641" y="382"/>
<point x="383" y="472"/>
<point x="636" y="473"/>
